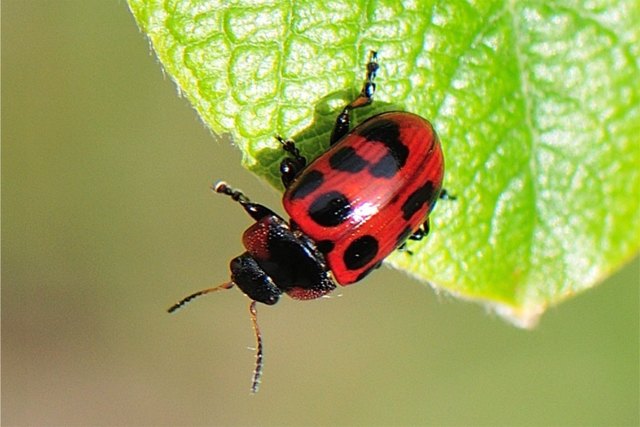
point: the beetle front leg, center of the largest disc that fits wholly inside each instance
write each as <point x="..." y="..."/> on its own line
<point x="290" y="167"/>
<point x="341" y="127"/>
<point x="255" y="210"/>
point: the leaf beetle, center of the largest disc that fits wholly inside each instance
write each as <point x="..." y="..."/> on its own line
<point x="350" y="208"/>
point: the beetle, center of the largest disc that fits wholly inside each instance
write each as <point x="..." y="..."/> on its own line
<point x="350" y="208"/>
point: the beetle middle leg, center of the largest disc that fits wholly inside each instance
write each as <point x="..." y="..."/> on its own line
<point x="290" y="167"/>
<point x="421" y="232"/>
<point x="341" y="127"/>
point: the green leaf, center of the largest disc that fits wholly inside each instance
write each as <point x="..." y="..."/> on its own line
<point x="537" y="106"/>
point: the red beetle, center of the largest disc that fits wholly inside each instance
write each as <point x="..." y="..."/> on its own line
<point x="355" y="204"/>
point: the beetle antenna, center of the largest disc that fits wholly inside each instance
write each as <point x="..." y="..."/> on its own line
<point x="187" y="299"/>
<point x="257" y="372"/>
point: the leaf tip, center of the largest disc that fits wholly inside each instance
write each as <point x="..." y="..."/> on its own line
<point x="521" y="317"/>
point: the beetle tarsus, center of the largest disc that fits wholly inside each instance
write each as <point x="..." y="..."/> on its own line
<point x="341" y="127"/>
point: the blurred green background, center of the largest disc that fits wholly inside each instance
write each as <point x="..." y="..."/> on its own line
<point x="107" y="219"/>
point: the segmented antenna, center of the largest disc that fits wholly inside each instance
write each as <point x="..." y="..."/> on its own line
<point x="187" y="299"/>
<point x="257" y="372"/>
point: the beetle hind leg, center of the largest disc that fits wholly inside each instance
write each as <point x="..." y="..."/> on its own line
<point x="445" y="195"/>
<point x="365" y="97"/>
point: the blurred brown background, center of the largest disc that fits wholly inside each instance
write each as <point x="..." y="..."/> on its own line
<point x="107" y="219"/>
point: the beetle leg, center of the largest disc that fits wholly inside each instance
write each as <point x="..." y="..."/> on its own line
<point x="255" y="210"/>
<point x="290" y="167"/>
<point x="418" y="235"/>
<point x="341" y="127"/>
<point x="445" y="195"/>
<point x="403" y="248"/>
<point x="421" y="232"/>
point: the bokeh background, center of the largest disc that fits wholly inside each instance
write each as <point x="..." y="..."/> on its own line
<point x="107" y="219"/>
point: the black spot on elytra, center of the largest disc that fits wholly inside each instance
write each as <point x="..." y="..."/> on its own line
<point x="360" y="252"/>
<point x="417" y="200"/>
<point x="325" y="246"/>
<point x="386" y="132"/>
<point x="386" y="167"/>
<point x="378" y="129"/>
<point x="347" y="160"/>
<point x="330" y="209"/>
<point x="309" y="182"/>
